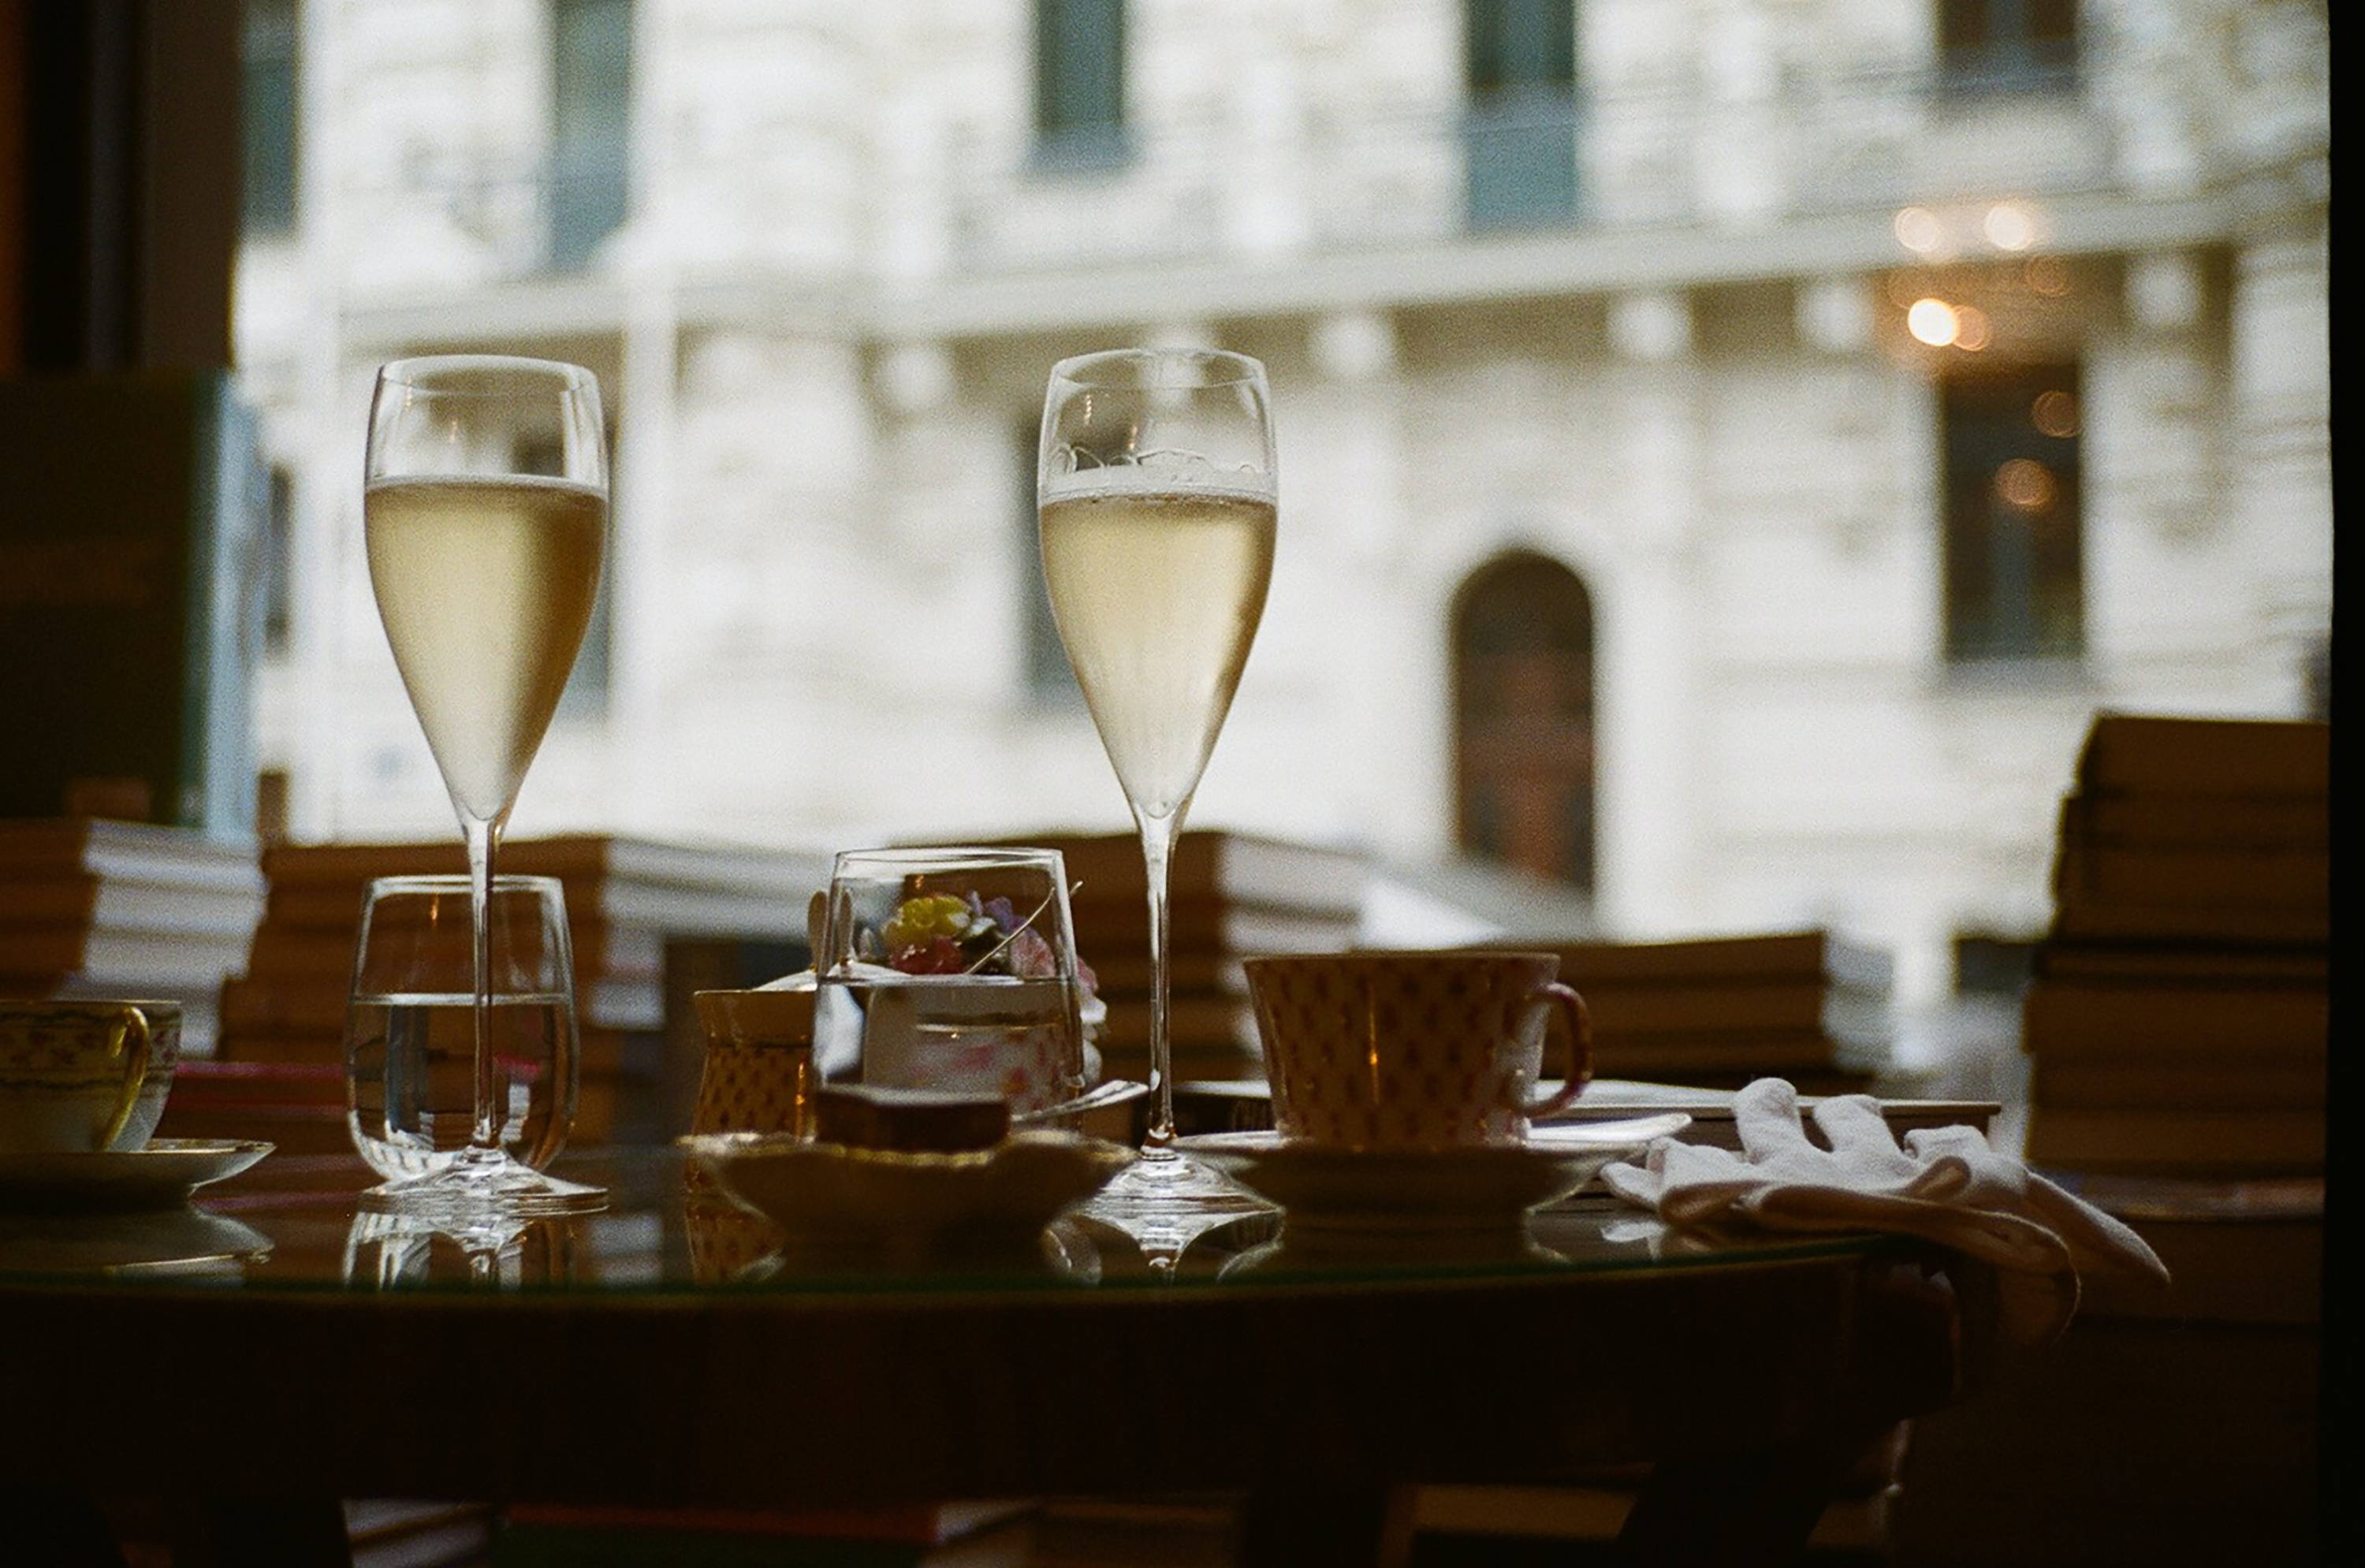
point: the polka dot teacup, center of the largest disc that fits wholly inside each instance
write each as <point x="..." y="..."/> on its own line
<point x="1413" y="1050"/>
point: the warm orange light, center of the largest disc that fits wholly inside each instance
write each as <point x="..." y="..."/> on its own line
<point x="2024" y="483"/>
<point x="2008" y="226"/>
<point x="2054" y="413"/>
<point x="2050" y="276"/>
<point x="1972" y="328"/>
<point x="1918" y="230"/>
<point x="1932" y="321"/>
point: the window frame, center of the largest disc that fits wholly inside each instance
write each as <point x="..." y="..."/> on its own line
<point x="1526" y="607"/>
<point x="1066" y="141"/>
<point x="1976" y="441"/>
<point x="278" y="590"/>
<point x="590" y="176"/>
<point x="1519" y="80"/>
<point x="271" y="82"/>
<point x="1992" y="48"/>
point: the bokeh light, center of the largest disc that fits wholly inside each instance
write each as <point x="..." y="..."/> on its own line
<point x="2024" y="483"/>
<point x="2010" y="226"/>
<point x="1932" y="321"/>
<point x="2054" y="413"/>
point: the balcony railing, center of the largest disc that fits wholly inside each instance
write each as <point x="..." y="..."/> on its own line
<point x="1261" y="184"/>
<point x="1320" y="183"/>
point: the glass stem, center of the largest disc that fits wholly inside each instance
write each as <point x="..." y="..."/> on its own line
<point x="480" y="835"/>
<point x="1157" y="850"/>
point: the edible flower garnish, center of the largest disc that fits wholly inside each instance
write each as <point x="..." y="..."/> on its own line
<point x="921" y="920"/>
<point x="940" y="933"/>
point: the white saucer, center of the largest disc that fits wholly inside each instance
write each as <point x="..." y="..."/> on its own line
<point x="147" y="1242"/>
<point x="1327" y="1186"/>
<point x="1014" y="1189"/>
<point x="160" y="1175"/>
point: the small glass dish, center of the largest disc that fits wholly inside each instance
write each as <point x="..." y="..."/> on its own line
<point x="952" y="970"/>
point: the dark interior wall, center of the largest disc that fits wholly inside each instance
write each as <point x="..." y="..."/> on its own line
<point x="190" y="194"/>
<point x="12" y="182"/>
<point x="118" y="183"/>
<point x="128" y="623"/>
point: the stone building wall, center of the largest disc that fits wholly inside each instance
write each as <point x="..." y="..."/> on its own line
<point x="825" y="328"/>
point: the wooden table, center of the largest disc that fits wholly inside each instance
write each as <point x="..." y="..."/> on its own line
<point x="605" y="1368"/>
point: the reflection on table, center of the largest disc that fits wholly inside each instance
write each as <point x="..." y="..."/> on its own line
<point x="669" y="1231"/>
<point x="668" y="1354"/>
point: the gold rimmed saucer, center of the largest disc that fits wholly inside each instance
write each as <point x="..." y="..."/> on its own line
<point x="162" y="1173"/>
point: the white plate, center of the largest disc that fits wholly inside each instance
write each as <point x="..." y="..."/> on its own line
<point x="1015" y="1188"/>
<point x="160" y="1175"/>
<point x="1325" y="1186"/>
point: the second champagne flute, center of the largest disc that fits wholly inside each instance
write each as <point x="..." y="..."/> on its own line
<point x="1156" y="493"/>
<point x="485" y="509"/>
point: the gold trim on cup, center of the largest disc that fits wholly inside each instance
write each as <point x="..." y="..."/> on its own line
<point x="128" y="1023"/>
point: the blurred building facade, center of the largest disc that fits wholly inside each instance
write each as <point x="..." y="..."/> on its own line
<point x="1729" y="447"/>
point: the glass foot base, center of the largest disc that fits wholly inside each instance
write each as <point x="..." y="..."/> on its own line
<point x="1164" y="1180"/>
<point x="474" y="1186"/>
<point x="1165" y="1201"/>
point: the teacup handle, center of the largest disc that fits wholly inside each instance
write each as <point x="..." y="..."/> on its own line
<point x="1580" y="1052"/>
<point x="135" y="1045"/>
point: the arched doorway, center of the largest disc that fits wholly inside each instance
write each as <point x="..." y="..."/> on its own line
<point x="1523" y="717"/>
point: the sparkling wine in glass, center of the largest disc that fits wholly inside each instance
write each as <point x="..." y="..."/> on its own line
<point x="1155" y="496"/>
<point x="484" y="504"/>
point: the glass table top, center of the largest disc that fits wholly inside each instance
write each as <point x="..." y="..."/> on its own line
<point x="298" y="1225"/>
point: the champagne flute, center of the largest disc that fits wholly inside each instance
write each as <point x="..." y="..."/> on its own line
<point x="484" y="504"/>
<point x="1156" y="495"/>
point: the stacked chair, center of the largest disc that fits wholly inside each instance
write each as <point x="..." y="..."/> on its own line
<point x="2176" y="1026"/>
<point x="1715" y="1013"/>
<point x="646" y="920"/>
<point x="2178" y="1017"/>
<point x="1230" y="895"/>
<point x="93" y="907"/>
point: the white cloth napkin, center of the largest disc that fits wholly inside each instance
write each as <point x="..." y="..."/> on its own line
<point x="1946" y="1184"/>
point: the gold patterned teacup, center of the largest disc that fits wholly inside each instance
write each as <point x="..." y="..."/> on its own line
<point x="82" y="1076"/>
<point x="1413" y="1049"/>
<point x="758" y="1075"/>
